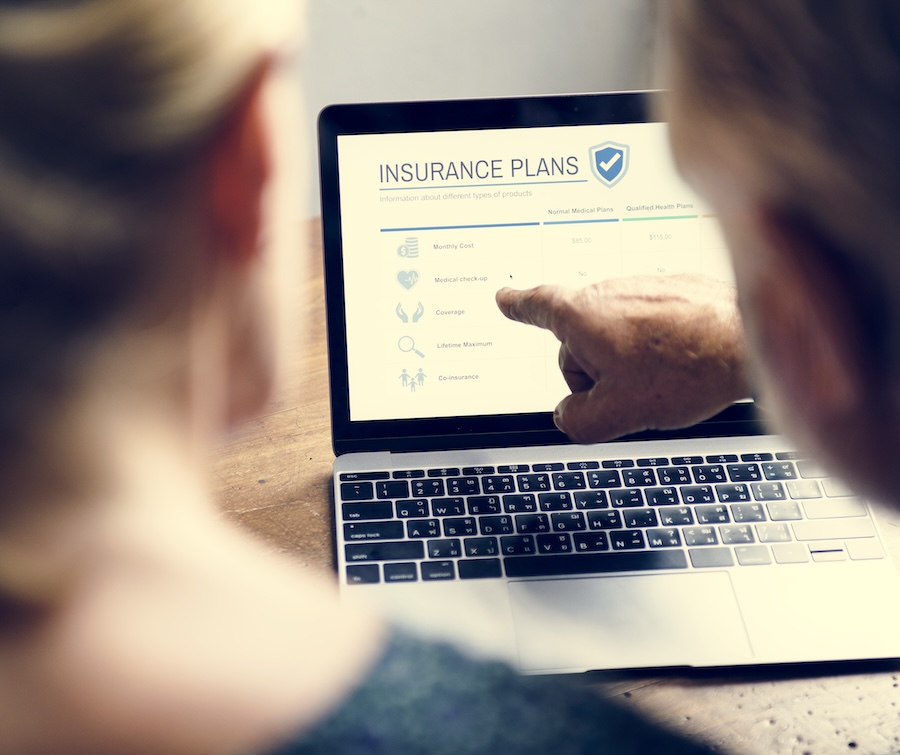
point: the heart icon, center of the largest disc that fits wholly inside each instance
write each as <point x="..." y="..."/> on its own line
<point x="408" y="278"/>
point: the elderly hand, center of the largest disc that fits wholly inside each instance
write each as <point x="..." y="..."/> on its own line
<point x="639" y="353"/>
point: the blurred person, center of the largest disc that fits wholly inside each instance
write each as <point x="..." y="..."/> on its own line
<point x="148" y="186"/>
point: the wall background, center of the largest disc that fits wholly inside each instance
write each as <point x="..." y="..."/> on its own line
<point x="370" y="50"/>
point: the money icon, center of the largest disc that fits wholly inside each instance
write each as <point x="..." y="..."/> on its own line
<point x="409" y="248"/>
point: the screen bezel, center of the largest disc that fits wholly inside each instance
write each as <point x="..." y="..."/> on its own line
<point x="477" y="431"/>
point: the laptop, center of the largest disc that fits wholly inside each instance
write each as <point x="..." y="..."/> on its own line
<point x="460" y="511"/>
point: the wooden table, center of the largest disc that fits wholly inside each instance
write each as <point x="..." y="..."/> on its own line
<point x="274" y="477"/>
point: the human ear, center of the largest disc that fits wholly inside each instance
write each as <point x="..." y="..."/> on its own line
<point x="809" y="315"/>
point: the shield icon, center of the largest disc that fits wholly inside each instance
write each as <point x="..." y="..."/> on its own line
<point x="609" y="162"/>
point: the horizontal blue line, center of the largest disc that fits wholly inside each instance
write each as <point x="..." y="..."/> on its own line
<point x="457" y="227"/>
<point x="484" y="186"/>
<point x="574" y="222"/>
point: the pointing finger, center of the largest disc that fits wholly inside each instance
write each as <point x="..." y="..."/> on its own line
<point x="541" y="306"/>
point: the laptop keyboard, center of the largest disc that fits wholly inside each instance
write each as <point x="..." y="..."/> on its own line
<point x="593" y="517"/>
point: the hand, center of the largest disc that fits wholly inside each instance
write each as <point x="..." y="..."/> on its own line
<point x="639" y="353"/>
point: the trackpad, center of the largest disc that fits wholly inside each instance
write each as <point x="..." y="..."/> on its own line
<point x="628" y="622"/>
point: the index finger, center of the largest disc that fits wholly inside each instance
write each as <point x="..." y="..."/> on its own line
<point x="541" y="306"/>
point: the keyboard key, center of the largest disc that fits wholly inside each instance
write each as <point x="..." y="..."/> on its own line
<point x="831" y="508"/>
<point x="687" y="460"/>
<point x="588" y="542"/>
<point x="357" y="491"/>
<point x="768" y="491"/>
<point x="363" y="511"/>
<point x="748" y="512"/>
<point x="773" y="532"/>
<point x="496" y="525"/>
<point x="406" y="572"/>
<point x="392" y="489"/>
<point x="733" y="492"/>
<point x="477" y="470"/>
<point x="590" y="499"/>
<point x="732" y="534"/>
<point x="700" y="536"/>
<point x="783" y="512"/>
<point x="555" y="543"/>
<point x="568" y="481"/>
<point x="410" y="509"/>
<point x="604" y="520"/>
<point x="550" y="467"/>
<point x="517" y="545"/>
<point x="635" y="478"/>
<point x="803" y="489"/>
<point x="518" y="504"/>
<point x="451" y="548"/>
<point x="627" y="540"/>
<point x="833" y="529"/>
<point x="790" y="553"/>
<point x="717" y="514"/>
<point x="583" y="465"/>
<point x="662" y="496"/>
<point x="423" y="528"/>
<point x="433" y="571"/>
<point x="360" y="476"/>
<point x="363" y="574"/>
<point x="627" y="497"/>
<point x="592" y="563"/>
<point x="673" y="476"/>
<point x="555" y="501"/>
<point x="605" y="478"/>
<point x="640" y="518"/>
<point x="709" y="473"/>
<point x="654" y="461"/>
<point x="479" y="568"/>
<point x="567" y="522"/>
<point x="703" y="558"/>
<point x="743" y="472"/>
<point x="448" y="506"/>
<point x="618" y="464"/>
<point x="498" y="484"/>
<point x="722" y="459"/>
<point x="408" y="474"/>
<point x="460" y="526"/>
<point x="827" y="550"/>
<point x="486" y="504"/>
<point x="757" y="457"/>
<point x="864" y="550"/>
<point x="752" y="555"/>
<point x="775" y="470"/>
<point x="428" y="488"/>
<point x="676" y="515"/>
<point x="835" y="488"/>
<point x="475" y="547"/>
<point x="786" y="455"/>
<point x="533" y="483"/>
<point x="463" y="486"/>
<point x="527" y="524"/>
<point x="663" y="537"/>
<point x="382" y="530"/>
<point x="514" y="469"/>
<point x="380" y="551"/>
<point x="443" y="472"/>
<point x="697" y="494"/>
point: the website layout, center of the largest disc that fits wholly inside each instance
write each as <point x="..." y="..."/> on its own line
<point x="435" y="223"/>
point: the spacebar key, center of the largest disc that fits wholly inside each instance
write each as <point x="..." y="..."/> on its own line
<point x="593" y="563"/>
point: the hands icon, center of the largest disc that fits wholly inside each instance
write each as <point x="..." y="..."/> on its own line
<point x="401" y="313"/>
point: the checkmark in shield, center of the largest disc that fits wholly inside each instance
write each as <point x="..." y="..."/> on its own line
<point x="609" y="162"/>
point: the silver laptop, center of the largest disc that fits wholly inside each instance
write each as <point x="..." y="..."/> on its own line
<point x="459" y="510"/>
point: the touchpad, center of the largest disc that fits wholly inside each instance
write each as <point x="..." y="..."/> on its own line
<point x="628" y="622"/>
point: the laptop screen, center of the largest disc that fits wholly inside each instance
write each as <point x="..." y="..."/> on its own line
<point x="424" y="221"/>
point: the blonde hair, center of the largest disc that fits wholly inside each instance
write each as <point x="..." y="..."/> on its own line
<point x="809" y="94"/>
<point x="105" y="108"/>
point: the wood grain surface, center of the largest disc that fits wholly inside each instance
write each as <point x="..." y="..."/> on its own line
<point x="273" y="476"/>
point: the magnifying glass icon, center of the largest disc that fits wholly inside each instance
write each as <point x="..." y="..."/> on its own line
<point x="407" y="344"/>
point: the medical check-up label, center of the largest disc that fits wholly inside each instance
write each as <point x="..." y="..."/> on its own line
<point x="441" y="221"/>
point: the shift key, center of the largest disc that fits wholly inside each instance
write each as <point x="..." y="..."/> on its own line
<point x="381" y="551"/>
<point x="833" y="529"/>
